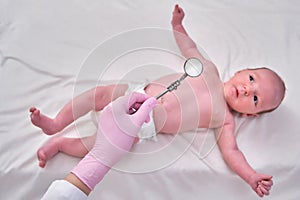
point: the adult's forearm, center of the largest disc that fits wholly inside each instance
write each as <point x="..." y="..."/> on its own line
<point x="71" y="178"/>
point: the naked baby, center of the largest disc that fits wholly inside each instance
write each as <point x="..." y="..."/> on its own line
<point x="202" y="102"/>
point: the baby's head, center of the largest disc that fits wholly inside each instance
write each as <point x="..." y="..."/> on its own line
<point x="254" y="91"/>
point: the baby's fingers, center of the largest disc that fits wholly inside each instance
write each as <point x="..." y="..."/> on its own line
<point x="264" y="190"/>
<point x="259" y="192"/>
<point x="178" y="9"/>
<point x="267" y="183"/>
<point x="267" y="187"/>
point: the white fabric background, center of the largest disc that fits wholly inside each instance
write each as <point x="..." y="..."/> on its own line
<point x="43" y="45"/>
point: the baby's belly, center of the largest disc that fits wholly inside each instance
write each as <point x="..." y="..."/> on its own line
<point x="181" y="110"/>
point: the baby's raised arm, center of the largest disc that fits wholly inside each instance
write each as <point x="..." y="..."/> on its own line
<point x="186" y="45"/>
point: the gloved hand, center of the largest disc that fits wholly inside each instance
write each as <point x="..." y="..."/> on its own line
<point x="117" y="129"/>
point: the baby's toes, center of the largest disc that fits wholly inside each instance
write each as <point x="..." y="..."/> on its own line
<point x="42" y="157"/>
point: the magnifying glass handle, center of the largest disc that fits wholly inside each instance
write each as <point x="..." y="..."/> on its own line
<point x="192" y="67"/>
<point x="161" y="94"/>
<point x="171" y="87"/>
<point x="183" y="77"/>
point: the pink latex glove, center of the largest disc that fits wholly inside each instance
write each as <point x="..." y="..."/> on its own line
<point x="115" y="136"/>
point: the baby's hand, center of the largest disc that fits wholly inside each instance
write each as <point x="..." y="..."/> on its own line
<point x="178" y="16"/>
<point x="261" y="184"/>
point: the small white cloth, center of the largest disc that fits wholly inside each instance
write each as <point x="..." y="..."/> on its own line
<point x="63" y="190"/>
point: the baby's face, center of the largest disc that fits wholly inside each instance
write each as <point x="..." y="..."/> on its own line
<point x="253" y="91"/>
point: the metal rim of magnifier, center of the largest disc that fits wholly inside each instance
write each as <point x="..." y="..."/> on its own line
<point x="186" y="63"/>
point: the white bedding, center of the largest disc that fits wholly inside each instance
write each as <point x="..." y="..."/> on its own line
<point x="46" y="59"/>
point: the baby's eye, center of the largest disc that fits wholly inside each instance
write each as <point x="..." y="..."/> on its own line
<point x="251" y="78"/>
<point x="255" y="99"/>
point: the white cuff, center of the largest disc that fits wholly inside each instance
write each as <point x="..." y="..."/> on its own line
<point x="63" y="190"/>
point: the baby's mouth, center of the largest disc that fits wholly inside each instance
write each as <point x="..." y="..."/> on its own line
<point x="236" y="92"/>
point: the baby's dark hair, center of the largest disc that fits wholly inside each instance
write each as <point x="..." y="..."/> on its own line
<point x="282" y="86"/>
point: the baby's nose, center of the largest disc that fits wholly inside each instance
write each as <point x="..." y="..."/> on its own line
<point x="246" y="90"/>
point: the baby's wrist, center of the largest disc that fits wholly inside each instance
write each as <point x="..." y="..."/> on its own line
<point x="250" y="177"/>
<point x="177" y="25"/>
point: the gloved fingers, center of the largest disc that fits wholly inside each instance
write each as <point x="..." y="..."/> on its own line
<point x="142" y="114"/>
<point x="134" y="108"/>
<point x="135" y="99"/>
<point x="121" y="116"/>
<point x="128" y="104"/>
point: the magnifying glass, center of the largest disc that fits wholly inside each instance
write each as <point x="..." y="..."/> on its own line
<point x="192" y="68"/>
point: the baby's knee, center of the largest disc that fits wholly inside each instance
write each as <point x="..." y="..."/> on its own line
<point x="103" y="95"/>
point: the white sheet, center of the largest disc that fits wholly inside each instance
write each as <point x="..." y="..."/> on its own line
<point x="43" y="45"/>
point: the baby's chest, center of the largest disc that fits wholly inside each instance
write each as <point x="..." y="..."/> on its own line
<point x="211" y="102"/>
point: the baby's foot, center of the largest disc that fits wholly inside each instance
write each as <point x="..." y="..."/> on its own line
<point x="45" y="123"/>
<point x="47" y="151"/>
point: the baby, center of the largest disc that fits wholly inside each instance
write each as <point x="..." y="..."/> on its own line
<point x="202" y="102"/>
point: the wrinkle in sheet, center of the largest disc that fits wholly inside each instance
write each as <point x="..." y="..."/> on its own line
<point x="32" y="68"/>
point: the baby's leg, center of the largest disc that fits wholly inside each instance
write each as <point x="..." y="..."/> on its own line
<point x="94" y="99"/>
<point x="77" y="147"/>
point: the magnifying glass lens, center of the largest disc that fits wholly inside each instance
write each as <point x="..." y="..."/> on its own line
<point x="193" y="67"/>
